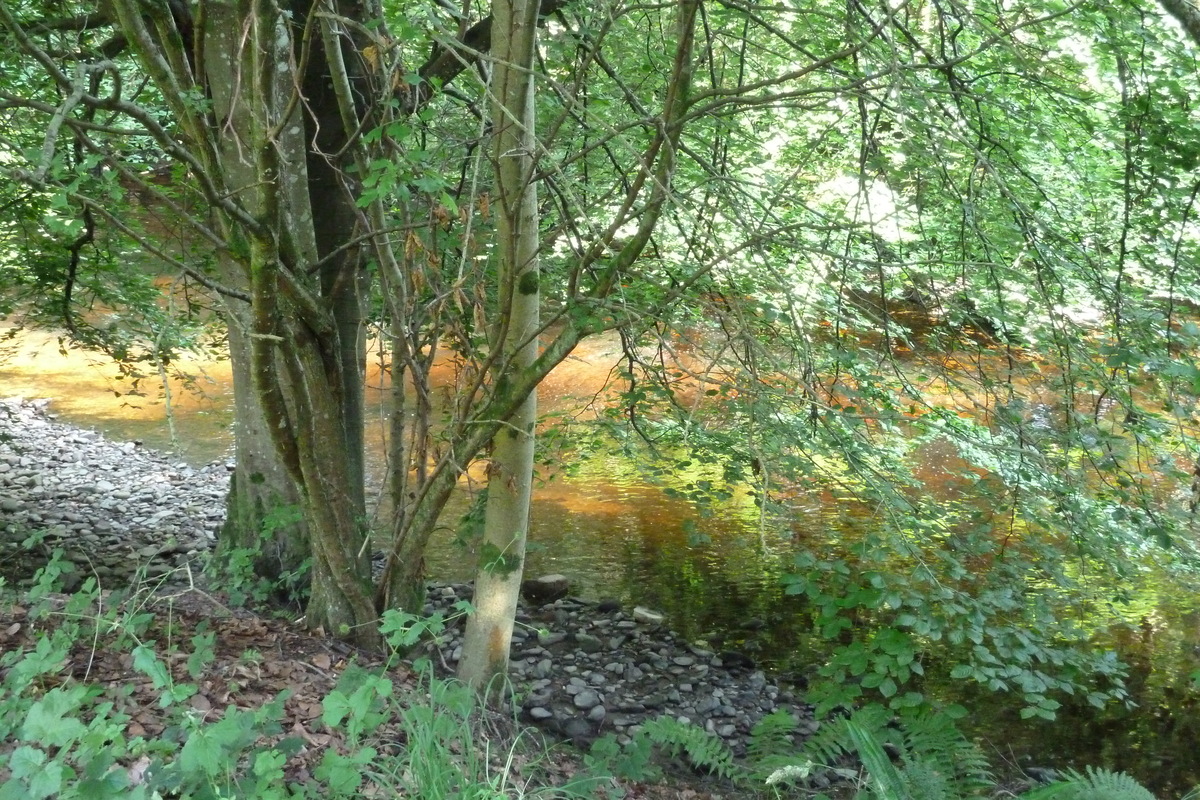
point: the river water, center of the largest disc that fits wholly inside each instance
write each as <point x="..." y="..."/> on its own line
<point x="616" y="534"/>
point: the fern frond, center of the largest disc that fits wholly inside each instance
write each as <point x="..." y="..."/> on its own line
<point x="889" y="784"/>
<point x="1092" y="784"/>
<point x="927" y="783"/>
<point x="772" y="736"/>
<point x="935" y="740"/>
<point x="935" y="760"/>
<point x="832" y="740"/>
<point x="703" y="749"/>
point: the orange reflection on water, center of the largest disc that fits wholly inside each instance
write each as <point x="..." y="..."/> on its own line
<point x="89" y="390"/>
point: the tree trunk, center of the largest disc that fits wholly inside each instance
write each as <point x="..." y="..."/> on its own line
<point x="302" y="326"/>
<point x="341" y="600"/>
<point x="332" y="190"/>
<point x="510" y="473"/>
<point x="263" y="511"/>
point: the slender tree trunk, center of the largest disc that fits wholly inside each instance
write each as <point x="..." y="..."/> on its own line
<point x="332" y="190"/>
<point x="510" y="473"/>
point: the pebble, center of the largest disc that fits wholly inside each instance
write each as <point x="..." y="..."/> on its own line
<point x="591" y="668"/>
<point x="582" y="685"/>
<point x="69" y="486"/>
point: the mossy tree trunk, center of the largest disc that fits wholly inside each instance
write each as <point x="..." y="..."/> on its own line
<point x="301" y="316"/>
<point x="263" y="512"/>
<point x="515" y="338"/>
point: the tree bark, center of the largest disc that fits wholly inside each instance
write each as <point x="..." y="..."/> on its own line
<point x="263" y="510"/>
<point x="303" y="325"/>
<point x="1187" y="14"/>
<point x="262" y="493"/>
<point x="510" y="472"/>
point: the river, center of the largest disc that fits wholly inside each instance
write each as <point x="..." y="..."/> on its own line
<point x="616" y="534"/>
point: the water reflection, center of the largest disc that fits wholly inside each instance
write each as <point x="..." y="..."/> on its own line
<point x="616" y="534"/>
<point x="92" y="392"/>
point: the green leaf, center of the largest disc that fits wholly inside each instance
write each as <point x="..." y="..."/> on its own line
<point x="47" y="723"/>
<point x="146" y="661"/>
<point x="202" y="754"/>
<point x="26" y="761"/>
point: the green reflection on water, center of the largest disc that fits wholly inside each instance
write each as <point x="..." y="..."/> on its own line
<point x="716" y="575"/>
<point x="1155" y="629"/>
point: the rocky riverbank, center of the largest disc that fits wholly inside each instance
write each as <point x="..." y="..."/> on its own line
<point x="113" y="508"/>
<point x="589" y="668"/>
<point x="117" y="509"/>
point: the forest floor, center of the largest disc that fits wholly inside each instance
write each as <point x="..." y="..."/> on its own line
<point x="251" y="660"/>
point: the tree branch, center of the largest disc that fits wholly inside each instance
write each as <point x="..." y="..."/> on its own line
<point x="1188" y="15"/>
<point x="448" y="62"/>
<point x="89" y="21"/>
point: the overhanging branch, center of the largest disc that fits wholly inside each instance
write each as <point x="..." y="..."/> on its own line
<point x="449" y="61"/>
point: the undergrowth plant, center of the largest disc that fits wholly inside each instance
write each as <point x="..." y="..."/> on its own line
<point x="667" y="738"/>
<point x="62" y="737"/>
<point x="870" y="754"/>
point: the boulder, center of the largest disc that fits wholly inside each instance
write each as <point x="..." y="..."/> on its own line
<point x="545" y="589"/>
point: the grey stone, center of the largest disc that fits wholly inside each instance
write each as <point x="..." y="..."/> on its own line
<point x="577" y="728"/>
<point x="655" y="700"/>
<point x="587" y="699"/>
<point x="588" y="643"/>
<point x="546" y="588"/>
<point x="647" y="616"/>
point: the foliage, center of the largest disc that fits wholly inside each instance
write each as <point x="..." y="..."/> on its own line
<point x="667" y="738"/>
<point x="66" y="739"/>
<point x="237" y="567"/>
<point x="928" y="758"/>
<point x="830" y="240"/>
<point x="1093" y="784"/>
<point x="916" y="756"/>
